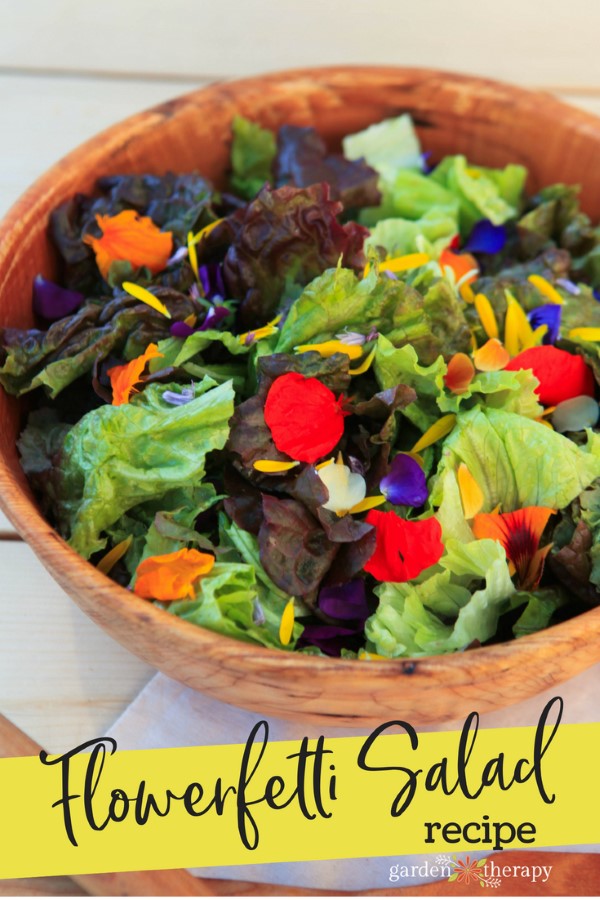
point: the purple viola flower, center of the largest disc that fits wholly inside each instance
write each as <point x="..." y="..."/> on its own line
<point x="549" y="314"/>
<point x="486" y="238"/>
<point x="346" y="602"/>
<point x="181" y="329"/>
<point x="211" y="279"/>
<point x="52" y="302"/>
<point x="596" y="293"/>
<point x="405" y="483"/>
<point x="214" y="315"/>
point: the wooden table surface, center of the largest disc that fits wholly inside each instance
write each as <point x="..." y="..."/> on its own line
<point x="70" y="68"/>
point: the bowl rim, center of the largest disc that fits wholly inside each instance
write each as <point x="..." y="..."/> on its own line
<point x="113" y="599"/>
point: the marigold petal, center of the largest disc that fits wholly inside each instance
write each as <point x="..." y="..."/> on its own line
<point x="487" y="315"/>
<point x="124" y="378"/>
<point x="405" y="263"/>
<point x="286" y="626"/>
<point x="192" y="254"/>
<point x="365" y="364"/>
<point x="585" y="334"/>
<point x="492" y="357"/>
<point x="437" y="431"/>
<point x="132" y="238"/>
<point x="545" y="288"/>
<point x="328" y="348"/>
<point x="171" y="576"/>
<point x="460" y="373"/>
<point x="273" y="465"/>
<point x="518" y="333"/>
<point x="366" y="504"/>
<point x="471" y="495"/>
<point x="110" y="559"/>
<point x="141" y="293"/>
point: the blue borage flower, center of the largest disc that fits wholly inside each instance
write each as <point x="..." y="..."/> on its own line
<point x="405" y="484"/>
<point x="486" y="238"/>
<point x="549" y="314"/>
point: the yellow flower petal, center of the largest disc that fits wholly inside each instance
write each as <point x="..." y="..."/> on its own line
<point x="467" y="293"/>
<point x="518" y="333"/>
<point x="405" y="263"/>
<point x="365" y="364"/>
<point x="192" y="253"/>
<point x="110" y="559"/>
<point x="273" y="465"/>
<point x="328" y="348"/>
<point x="471" y="494"/>
<point x="140" y="293"/>
<point x="258" y="333"/>
<point x="417" y="458"/>
<point x="205" y="231"/>
<point x="585" y="334"/>
<point x="322" y="465"/>
<point x="537" y="337"/>
<point x="190" y="320"/>
<point x="367" y="503"/>
<point x="545" y="288"/>
<point x="487" y="315"/>
<point x="437" y="431"/>
<point x="286" y="626"/>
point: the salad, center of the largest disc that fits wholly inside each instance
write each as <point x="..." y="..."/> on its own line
<point x="345" y="406"/>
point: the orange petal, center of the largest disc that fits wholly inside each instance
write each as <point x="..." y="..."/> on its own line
<point x="124" y="378"/>
<point x="460" y="373"/>
<point x="491" y="357"/>
<point x="172" y="575"/>
<point x="131" y="238"/>
<point x="519" y="533"/>
<point x="461" y="264"/>
<point x="471" y="494"/>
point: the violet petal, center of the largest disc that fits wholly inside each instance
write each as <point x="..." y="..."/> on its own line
<point x="486" y="238"/>
<point x="52" y="302"/>
<point x="596" y="293"/>
<point x="405" y="483"/>
<point x="331" y="639"/>
<point x="344" y="601"/>
<point x="180" y="330"/>
<point x="211" y="278"/>
<point x="549" y="314"/>
<point x="214" y="315"/>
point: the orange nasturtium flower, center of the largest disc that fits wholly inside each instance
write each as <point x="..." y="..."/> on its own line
<point x="124" y="378"/>
<point x="131" y="238"/>
<point x="519" y="533"/>
<point x="172" y="575"/>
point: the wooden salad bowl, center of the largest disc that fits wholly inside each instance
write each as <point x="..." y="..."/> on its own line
<point x="493" y="124"/>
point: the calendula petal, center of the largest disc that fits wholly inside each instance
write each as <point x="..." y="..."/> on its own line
<point x="190" y="320"/>
<point x="141" y="293"/>
<point x="204" y="232"/>
<point x="286" y="626"/>
<point x="405" y="263"/>
<point x="471" y="494"/>
<point x="328" y="348"/>
<point x="487" y="315"/>
<point x="460" y="374"/>
<point x="492" y="357"/>
<point x="365" y="364"/>
<point x="192" y="254"/>
<point x="437" y="431"/>
<point x="273" y="465"/>
<point x="585" y="334"/>
<point x="545" y="288"/>
<point x="367" y="503"/>
<point x="467" y="293"/>
<point x="110" y="559"/>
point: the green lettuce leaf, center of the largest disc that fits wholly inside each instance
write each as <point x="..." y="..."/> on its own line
<point x="399" y="236"/>
<point x="516" y="461"/>
<point x="510" y="391"/>
<point x="386" y="146"/>
<point x="444" y="612"/>
<point x="117" y="457"/>
<point x="400" y="365"/>
<point x="253" y="152"/>
<point x="540" y="606"/>
<point x="482" y="193"/>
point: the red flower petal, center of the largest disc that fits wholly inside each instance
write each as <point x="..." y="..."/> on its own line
<point x="561" y="375"/>
<point x="460" y="374"/>
<point x="403" y="548"/>
<point x="305" y="419"/>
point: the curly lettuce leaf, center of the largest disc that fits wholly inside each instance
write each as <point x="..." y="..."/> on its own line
<point x="446" y="610"/>
<point x="399" y="236"/>
<point x="515" y="461"/>
<point x="386" y="146"/>
<point x="117" y="457"/>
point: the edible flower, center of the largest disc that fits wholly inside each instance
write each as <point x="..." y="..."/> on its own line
<point x="518" y="333"/>
<point x="52" y="302"/>
<point x="588" y="333"/>
<point x="460" y="373"/>
<point x="471" y="495"/>
<point x="519" y="533"/>
<point x="549" y="314"/>
<point x="250" y="337"/>
<point x="213" y="317"/>
<point x="131" y="238"/>
<point x="346" y="488"/>
<point x="463" y="265"/>
<point x="435" y="432"/>
<point x="405" y="484"/>
<point x="492" y="357"/>
<point x="346" y="603"/>
<point x="486" y="313"/>
<point x="124" y="378"/>
<point x="486" y="237"/>
<point x="172" y="576"/>
<point x="328" y="348"/>
<point x="561" y="375"/>
<point x="546" y="289"/>
<point x="179" y="399"/>
<point x="110" y="559"/>
<point x="286" y="625"/>
<point x="146" y="296"/>
<point x="401" y="263"/>
<point x="305" y="418"/>
<point x="404" y="548"/>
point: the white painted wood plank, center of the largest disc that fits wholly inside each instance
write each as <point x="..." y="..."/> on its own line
<point x="62" y="679"/>
<point x="526" y="43"/>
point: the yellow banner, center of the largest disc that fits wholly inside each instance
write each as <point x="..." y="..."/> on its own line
<point x="395" y="792"/>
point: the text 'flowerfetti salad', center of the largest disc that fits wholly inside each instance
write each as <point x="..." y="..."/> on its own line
<point x="346" y="406"/>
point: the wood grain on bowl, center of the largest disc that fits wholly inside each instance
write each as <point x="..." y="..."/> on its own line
<point x="493" y="124"/>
